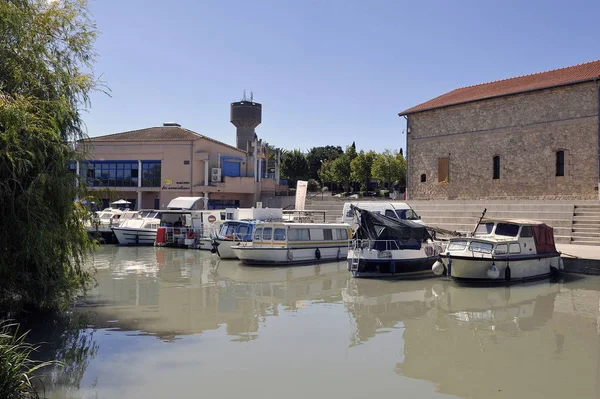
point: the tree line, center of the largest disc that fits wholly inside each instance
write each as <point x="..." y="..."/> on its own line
<point x="349" y="170"/>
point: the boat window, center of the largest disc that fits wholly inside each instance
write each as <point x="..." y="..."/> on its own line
<point x="327" y="234"/>
<point x="484" y="228"/>
<point x="298" y="235"/>
<point x="242" y="230"/>
<point x="258" y="234"/>
<point x="267" y="234"/>
<point x="316" y="235"/>
<point x="457" y="245"/>
<point x="501" y="249"/>
<point x="506" y="229"/>
<point x="342" y="234"/>
<point x="514" y="248"/>
<point x="481" y="247"/>
<point x="222" y="215"/>
<point x="391" y="214"/>
<point x="350" y="213"/>
<point x="279" y="235"/>
<point x="526" y="231"/>
<point x="230" y="230"/>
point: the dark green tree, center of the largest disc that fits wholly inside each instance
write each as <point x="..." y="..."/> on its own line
<point x="361" y="168"/>
<point x="46" y="59"/>
<point x="294" y="167"/>
<point x="317" y="155"/>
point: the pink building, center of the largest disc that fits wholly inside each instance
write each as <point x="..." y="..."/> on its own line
<point x="149" y="167"/>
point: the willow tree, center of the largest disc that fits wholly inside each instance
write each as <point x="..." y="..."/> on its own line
<point x="46" y="59"/>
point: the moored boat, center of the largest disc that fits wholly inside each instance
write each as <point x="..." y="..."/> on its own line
<point x="386" y="247"/>
<point x="295" y="243"/>
<point x="501" y="251"/>
<point x="233" y="232"/>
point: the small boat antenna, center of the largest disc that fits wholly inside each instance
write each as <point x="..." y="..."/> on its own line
<point x="479" y="221"/>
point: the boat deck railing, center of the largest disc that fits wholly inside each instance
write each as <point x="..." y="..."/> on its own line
<point x="380" y="245"/>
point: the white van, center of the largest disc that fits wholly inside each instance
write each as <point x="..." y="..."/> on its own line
<point x="398" y="210"/>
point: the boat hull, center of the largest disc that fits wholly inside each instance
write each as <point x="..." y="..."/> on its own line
<point x="400" y="264"/>
<point x="134" y="236"/>
<point x="475" y="270"/>
<point x="224" y="249"/>
<point x="289" y="256"/>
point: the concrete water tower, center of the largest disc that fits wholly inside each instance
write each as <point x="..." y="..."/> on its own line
<point x="245" y="116"/>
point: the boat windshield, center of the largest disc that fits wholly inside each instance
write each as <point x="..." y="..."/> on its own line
<point x="228" y="229"/>
<point x="507" y="229"/>
<point x="485" y="228"/>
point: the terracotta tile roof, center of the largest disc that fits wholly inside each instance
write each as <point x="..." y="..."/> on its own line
<point x="558" y="77"/>
<point x="159" y="133"/>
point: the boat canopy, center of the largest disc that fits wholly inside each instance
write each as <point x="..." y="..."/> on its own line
<point x="183" y="202"/>
<point x="543" y="235"/>
<point x="377" y="227"/>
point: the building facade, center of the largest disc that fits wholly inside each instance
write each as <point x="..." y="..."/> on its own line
<point x="149" y="167"/>
<point x="530" y="137"/>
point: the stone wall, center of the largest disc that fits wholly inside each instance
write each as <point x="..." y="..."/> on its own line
<point x="525" y="130"/>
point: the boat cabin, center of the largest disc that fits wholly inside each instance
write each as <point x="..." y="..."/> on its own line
<point x="507" y="238"/>
<point x="300" y="234"/>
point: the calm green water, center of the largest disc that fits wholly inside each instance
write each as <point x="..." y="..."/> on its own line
<point x="169" y="323"/>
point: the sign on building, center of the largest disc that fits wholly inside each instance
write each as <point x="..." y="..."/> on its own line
<point x="301" y="194"/>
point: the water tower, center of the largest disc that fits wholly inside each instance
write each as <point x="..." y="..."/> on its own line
<point x="245" y="116"/>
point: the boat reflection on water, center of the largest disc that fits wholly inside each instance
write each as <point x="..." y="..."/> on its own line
<point x="515" y="341"/>
<point x="168" y="292"/>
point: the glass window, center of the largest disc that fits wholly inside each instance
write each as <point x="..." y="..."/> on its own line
<point x="484" y="228"/>
<point x="279" y="235"/>
<point x="496" y="174"/>
<point x="501" y="249"/>
<point x="242" y="230"/>
<point x="293" y="235"/>
<point x="350" y="213"/>
<point x="514" y="248"/>
<point x="506" y="229"/>
<point x="526" y="231"/>
<point x="482" y="247"/>
<point x="457" y="245"/>
<point x="267" y="234"/>
<point x="391" y="214"/>
<point x="560" y="163"/>
<point x="257" y="234"/>
<point x="316" y="235"/>
<point x="327" y="234"/>
<point x="343" y="234"/>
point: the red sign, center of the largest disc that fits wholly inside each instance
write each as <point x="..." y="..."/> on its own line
<point x="212" y="219"/>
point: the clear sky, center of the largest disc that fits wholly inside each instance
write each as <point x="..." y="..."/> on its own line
<point x="326" y="72"/>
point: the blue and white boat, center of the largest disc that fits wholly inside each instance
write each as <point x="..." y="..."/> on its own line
<point x="232" y="232"/>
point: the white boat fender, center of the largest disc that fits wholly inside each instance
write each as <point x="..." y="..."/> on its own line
<point x="318" y="253"/>
<point x="561" y="264"/>
<point x="438" y="267"/>
<point x="493" y="271"/>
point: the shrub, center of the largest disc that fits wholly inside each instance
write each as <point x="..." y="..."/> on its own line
<point x="313" y="186"/>
<point x="16" y="366"/>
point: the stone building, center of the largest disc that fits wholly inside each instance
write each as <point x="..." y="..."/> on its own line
<point x="529" y="137"/>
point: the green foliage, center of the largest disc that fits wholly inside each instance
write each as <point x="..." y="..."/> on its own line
<point x="340" y="171"/>
<point x="45" y="58"/>
<point x="317" y="155"/>
<point x="16" y="365"/>
<point x="313" y="185"/>
<point x="388" y="167"/>
<point x="361" y="167"/>
<point x="325" y="172"/>
<point x="294" y="167"/>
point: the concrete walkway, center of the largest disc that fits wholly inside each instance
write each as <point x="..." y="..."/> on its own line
<point x="583" y="259"/>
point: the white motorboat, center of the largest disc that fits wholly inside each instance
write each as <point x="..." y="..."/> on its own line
<point x="501" y="251"/>
<point x="138" y="231"/>
<point x="388" y="247"/>
<point x="293" y="243"/>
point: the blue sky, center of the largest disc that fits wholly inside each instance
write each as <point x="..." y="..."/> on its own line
<point x="326" y="72"/>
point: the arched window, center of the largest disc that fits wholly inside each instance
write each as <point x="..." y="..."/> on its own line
<point x="560" y="163"/>
<point x="423" y="178"/>
<point x="496" y="167"/>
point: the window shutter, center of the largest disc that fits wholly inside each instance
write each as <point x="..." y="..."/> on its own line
<point x="443" y="170"/>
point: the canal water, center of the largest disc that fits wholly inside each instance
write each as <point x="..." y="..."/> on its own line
<point x="169" y="323"/>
